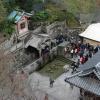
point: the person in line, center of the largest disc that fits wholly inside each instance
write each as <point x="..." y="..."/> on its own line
<point x="85" y="58"/>
<point x="81" y="60"/>
<point x="65" y="51"/>
<point x="90" y="54"/>
<point x="76" y="52"/>
<point x="75" y="65"/>
<point x="72" y="52"/>
<point x="78" y="63"/>
<point x="95" y="49"/>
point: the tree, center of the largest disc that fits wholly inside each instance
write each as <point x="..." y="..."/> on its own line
<point x="78" y="6"/>
<point x="7" y="27"/>
<point x="27" y="4"/>
<point x="13" y="84"/>
<point x="2" y="11"/>
<point x="40" y="16"/>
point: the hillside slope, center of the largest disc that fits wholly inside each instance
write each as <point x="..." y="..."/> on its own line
<point x="79" y="6"/>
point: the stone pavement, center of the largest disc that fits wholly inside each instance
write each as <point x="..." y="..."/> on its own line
<point x="60" y="90"/>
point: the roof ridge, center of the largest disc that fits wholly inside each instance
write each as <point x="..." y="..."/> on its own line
<point x="76" y="74"/>
<point x="97" y="74"/>
<point x="85" y="74"/>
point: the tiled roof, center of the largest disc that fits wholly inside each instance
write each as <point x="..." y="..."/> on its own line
<point x="89" y="84"/>
<point x="37" y="41"/>
<point x="86" y="72"/>
<point x="17" y="15"/>
<point x="34" y="42"/>
<point x="83" y="78"/>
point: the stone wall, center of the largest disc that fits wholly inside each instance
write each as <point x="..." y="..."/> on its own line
<point x="53" y="30"/>
<point x="56" y="28"/>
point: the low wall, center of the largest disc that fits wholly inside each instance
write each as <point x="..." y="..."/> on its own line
<point x="56" y="28"/>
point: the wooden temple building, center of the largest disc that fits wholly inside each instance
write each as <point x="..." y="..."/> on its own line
<point x="87" y="78"/>
<point x="91" y="34"/>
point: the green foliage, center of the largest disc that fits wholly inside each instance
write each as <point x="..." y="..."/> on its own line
<point x="50" y="14"/>
<point x="7" y="27"/>
<point x="37" y="1"/>
<point x="54" y="68"/>
<point x="71" y="20"/>
<point x="26" y="5"/>
<point x="10" y="5"/>
<point x="56" y="14"/>
<point x="2" y="11"/>
<point x="79" y="6"/>
<point x="40" y="16"/>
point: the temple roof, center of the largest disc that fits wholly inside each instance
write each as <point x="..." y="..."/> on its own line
<point x="37" y="41"/>
<point x="92" y="32"/>
<point x="88" y="75"/>
<point x="17" y="15"/>
<point x="86" y="83"/>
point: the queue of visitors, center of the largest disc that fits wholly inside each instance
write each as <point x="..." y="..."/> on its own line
<point x="77" y="50"/>
<point x="82" y="52"/>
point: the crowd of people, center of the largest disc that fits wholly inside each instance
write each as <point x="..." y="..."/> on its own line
<point x="82" y="52"/>
<point x="78" y="50"/>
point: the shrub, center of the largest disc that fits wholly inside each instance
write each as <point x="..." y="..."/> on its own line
<point x="40" y="16"/>
<point x="7" y="27"/>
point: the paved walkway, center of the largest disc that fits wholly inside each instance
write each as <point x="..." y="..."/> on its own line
<point x="60" y="90"/>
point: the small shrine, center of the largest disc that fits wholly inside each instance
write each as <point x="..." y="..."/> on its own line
<point x="20" y="20"/>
